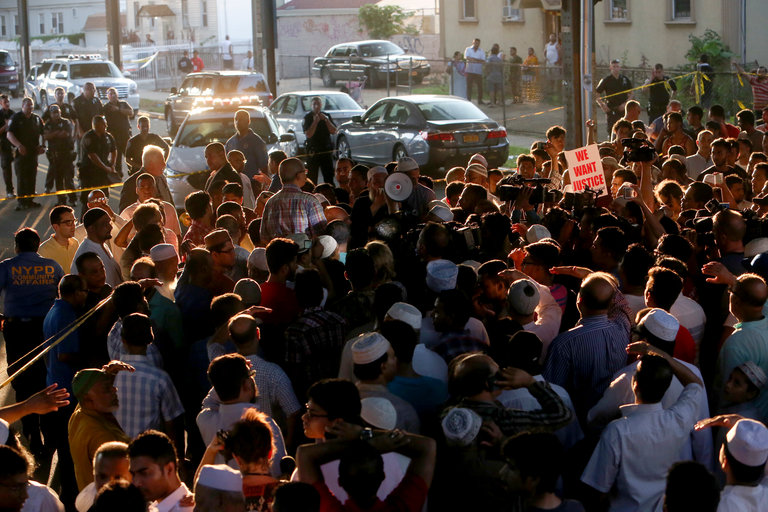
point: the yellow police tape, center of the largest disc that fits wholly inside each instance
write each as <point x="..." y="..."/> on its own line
<point x="639" y="87"/>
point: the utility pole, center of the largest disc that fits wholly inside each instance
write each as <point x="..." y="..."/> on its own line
<point x="256" y="34"/>
<point x="24" y="35"/>
<point x="114" y="32"/>
<point x="269" y="32"/>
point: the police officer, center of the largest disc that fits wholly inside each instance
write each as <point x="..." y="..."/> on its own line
<point x="6" y="150"/>
<point x="616" y="88"/>
<point x="98" y="152"/>
<point x="30" y="285"/>
<point x="137" y="143"/>
<point x="318" y="127"/>
<point x="24" y="132"/>
<point x="59" y="132"/>
<point x="118" y="114"/>
<point x="67" y="112"/>
<point x="86" y="105"/>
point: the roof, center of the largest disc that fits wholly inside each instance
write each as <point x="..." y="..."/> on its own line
<point x="293" y="5"/>
<point x="99" y="22"/>
<point x="155" y="11"/>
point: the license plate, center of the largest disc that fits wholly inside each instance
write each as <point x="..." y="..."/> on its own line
<point x="471" y="138"/>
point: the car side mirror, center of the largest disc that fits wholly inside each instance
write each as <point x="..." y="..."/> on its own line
<point x="357" y="119"/>
<point x="271" y="138"/>
<point x="174" y="90"/>
<point x="287" y="137"/>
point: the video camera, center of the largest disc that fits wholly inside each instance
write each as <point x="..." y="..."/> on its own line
<point x="638" y="150"/>
<point x="577" y="202"/>
<point x="509" y="189"/>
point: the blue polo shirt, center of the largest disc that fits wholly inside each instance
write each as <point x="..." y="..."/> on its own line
<point x="30" y="283"/>
<point x="58" y="318"/>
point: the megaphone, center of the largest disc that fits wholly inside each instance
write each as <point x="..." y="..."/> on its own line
<point x="398" y="186"/>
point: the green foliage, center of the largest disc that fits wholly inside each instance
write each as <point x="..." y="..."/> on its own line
<point x="385" y="21"/>
<point x="710" y="44"/>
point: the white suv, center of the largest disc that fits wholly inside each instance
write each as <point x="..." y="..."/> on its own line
<point x="73" y="72"/>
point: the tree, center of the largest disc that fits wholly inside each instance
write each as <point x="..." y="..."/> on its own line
<point x="385" y="21"/>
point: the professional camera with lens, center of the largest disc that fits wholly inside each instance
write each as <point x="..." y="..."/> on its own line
<point x="509" y="189"/>
<point x="757" y="227"/>
<point x="577" y="202"/>
<point x="638" y="150"/>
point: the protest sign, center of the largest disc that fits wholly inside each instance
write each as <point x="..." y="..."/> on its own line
<point x="586" y="169"/>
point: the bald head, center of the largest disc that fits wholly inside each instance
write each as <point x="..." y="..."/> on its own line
<point x="729" y="226"/>
<point x="244" y="331"/>
<point x="289" y="170"/>
<point x="596" y="293"/>
<point x="337" y="213"/>
<point x="751" y="291"/>
<point x="468" y="374"/>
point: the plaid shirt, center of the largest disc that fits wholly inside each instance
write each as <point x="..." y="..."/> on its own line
<point x="313" y="345"/>
<point x="116" y="350"/>
<point x="196" y="233"/>
<point x="147" y="397"/>
<point x="458" y="344"/>
<point x="292" y="211"/>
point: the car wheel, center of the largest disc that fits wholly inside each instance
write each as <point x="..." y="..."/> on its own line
<point x="328" y="81"/>
<point x="342" y="148"/>
<point x="43" y="101"/>
<point x="399" y="153"/>
<point x="169" y="122"/>
<point x="371" y="80"/>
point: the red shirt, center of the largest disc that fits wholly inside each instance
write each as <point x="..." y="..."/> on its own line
<point x="409" y="496"/>
<point x="685" y="347"/>
<point x="282" y="301"/>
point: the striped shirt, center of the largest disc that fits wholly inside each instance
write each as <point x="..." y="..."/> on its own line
<point x="759" y="92"/>
<point x="147" y="397"/>
<point x="583" y="359"/>
<point x="292" y="211"/>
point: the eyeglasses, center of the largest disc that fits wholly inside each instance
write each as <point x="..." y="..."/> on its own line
<point x="314" y="414"/>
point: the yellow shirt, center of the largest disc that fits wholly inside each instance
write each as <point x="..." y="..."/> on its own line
<point x="58" y="253"/>
<point x="88" y="430"/>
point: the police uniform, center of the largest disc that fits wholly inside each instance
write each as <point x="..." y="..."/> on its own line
<point x="61" y="157"/>
<point x="614" y="88"/>
<point x="85" y="109"/>
<point x="119" y="126"/>
<point x="6" y="153"/>
<point x="319" y="149"/>
<point x="90" y="174"/>
<point x="68" y="112"/>
<point x="28" y="131"/>
<point x="30" y="283"/>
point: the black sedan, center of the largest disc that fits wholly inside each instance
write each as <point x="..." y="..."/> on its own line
<point x="437" y="131"/>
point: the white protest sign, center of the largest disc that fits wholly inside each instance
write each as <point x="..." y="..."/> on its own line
<point x="586" y="169"/>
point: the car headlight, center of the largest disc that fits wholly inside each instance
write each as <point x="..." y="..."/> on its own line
<point x="391" y="65"/>
<point x="133" y="88"/>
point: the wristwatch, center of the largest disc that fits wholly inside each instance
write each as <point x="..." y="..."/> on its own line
<point x="366" y="434"/>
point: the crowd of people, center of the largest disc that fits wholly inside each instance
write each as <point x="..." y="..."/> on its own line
<point x="509" y="344"/>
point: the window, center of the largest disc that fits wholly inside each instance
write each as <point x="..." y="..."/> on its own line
<point x="41" y="19"/>
<point x="57" y="23"/>
<point x="16" y="29"/>
<point x="468" y="10"/>
<point x="618" y="10"/>
<point x="3" y="29"/>
<point x="374" y="115"/>
<point x="136" y="20"/>
<point x="205" y="13"/>
<point x="510" y="13"/>
<point x="185" y="13"/>
<point x="74" y="13"/>
<point x="682" y="9"/>
<point x="290" y="105"/>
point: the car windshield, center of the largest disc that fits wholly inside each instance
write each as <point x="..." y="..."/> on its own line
<point x="93" y="70"/>
<point x="44" y="68"/>
<point x="331" y="102"/>
<point x="6" y="59"/>
<point x="197" y="134"/>
<point x="447" y="110"/>
<point x="380" y="49"/>
<point x="240" y="84"/>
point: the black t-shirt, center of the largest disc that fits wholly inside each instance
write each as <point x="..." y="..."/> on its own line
<point x="27" y="129"/>
<point x="185" y="65"/>
<point x="226" y="173"/>
<point x="136" y="145"/>
<point x="118" y="123"/>
<point x="60" y="144"/>
<point x="612" y="86"/>
<point x="85" y="109"/>
<point x="658" y="93"/>
<point x="5" y="144"/>
<point x="67" y="112"/>
<point x="321" y="140"/>
<point x="102" y="146"/>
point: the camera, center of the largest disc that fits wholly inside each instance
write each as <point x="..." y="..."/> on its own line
<point x="638" y="150"/>
<point x="628" y="193"/>
<point x="513" y="185"/>
<point x="577" y="202"/>
<point x="540" y="146"/>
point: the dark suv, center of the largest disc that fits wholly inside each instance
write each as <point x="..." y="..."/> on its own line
<point x="372" y="59"/>
<point x="9" y="75"/>
<point x="206" y="86"/>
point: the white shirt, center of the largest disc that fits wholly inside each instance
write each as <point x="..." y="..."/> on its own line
<point x="41" y="498"/>
<point x="695" y="164"/>
<point x="171" y="218"/>
<point x="523" y="400"/>
<point x="248" y="200"/>
<point x="551" y="53"/>
<point x="636" y="303"/>
<point x="742" y="498"/>
<point x="548" y="316"/>
<point x="86" y="497"/>
<point x="690" y="315"/>
<point x="171" y="502"/>
<point x="117" y="224"/>
<point x="429" y="364"/>
<point x="226" y="48"/>
<point x="217" y="417"/>
<point x="636" y="451"/>
<point x="111" y="266"/>
<point x="620" y="393"/>
<point x="247" y="63"/>
<point x="474" y="67"/>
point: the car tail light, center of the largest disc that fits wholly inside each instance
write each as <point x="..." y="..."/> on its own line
<point x="438" y="136"/>
<point x="497" y="134"/>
